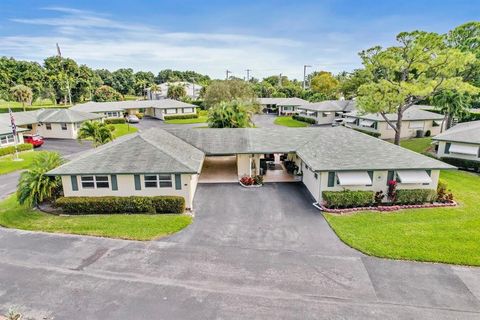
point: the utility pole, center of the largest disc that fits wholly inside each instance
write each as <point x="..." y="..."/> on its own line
<point x="248" y="74"/>
<point x="305" y="75"/>
<point x="59" y="53"/>
<point x="280" y="80"/>
<point x="227" y="73"/>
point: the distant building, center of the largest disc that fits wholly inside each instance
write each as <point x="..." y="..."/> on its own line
<point x="192" y="89"/>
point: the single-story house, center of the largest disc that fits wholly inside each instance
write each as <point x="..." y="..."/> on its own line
<point x="192" y="90"/>
<point x="6" y="135"/>
<point x="280" y="106"/>
<point x="51" y="122"/>
<point x="153" y="108"/>
<point x="169" y="162"/>
<point x="325" y="112"/>
<point x="414" y="119"/>
<point x="461" y="141"/>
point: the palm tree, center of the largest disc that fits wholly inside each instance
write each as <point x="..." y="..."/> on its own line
<point x="233" y="114"/>
<point x="34" y="185"/>
<point x="176" y="91"/>
<point x="452" y="104"/>
<point x="22" y="94"/>
<point x="97" y="131"/>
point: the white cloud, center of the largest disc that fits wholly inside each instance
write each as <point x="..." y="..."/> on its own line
<point x="101" y="42"/>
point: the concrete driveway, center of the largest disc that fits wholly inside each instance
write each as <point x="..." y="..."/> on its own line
<point x="250" y="254"/>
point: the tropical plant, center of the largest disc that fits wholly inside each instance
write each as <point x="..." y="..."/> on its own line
<point x="176" y="91"/>
<point x="99" y="132"/>
<point x="420" y="66"/>
<point x="452" y="104"/>
<point x="325" y="83"/>
<point x="34" y="185"/>
<point x="233" y="114"/>
<point x="22" y="94"/>
<point x="106" y="93"/>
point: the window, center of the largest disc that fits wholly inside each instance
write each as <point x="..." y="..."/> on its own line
<point x="64" y="126"/>
<point x="331" y="179"/>
<point x="416" y="125"/>
<point x="7" y="139"/>
<point x="187" y="110"/>
<point x="158" y="181"/>
<point x="170" y="111"/>
<point x="48" y="126"/>
<point x="29" y="126"/>
<point x="95" y="182"/>
<point x="112" y="114"/>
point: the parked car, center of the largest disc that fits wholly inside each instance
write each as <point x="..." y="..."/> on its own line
<point x="34" y="139"/>
<point x="131" y="118"/>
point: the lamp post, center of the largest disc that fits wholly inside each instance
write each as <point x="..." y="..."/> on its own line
<point x="305" y="75"/>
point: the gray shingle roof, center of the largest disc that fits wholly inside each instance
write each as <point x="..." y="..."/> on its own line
<point x="133" y="104"/>
<point x="7" y="129"/>
<point x="331" y="105"/>
<point x="468" y="132"/>
<point x="411" y="114"/>
<point x="178" y="150"/>
<point x="152" y="151"/>
<point x="282" y="101"/>
<point x="50" y="115"/>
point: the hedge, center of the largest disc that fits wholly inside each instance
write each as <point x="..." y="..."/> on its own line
<point x="415" y="196"/>
<point x="114" y="120"/>
<point x="182" y="116"/>
<point x="471" y="116"/>
<point x="462" y="163"/>
<point x="11" y="149"/>
<point x="304" y="119"/>
<point x="370" y="133"/>
<point x="110" y="205"/>
<point x="348" y="198"/>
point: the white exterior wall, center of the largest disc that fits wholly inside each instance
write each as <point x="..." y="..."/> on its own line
<point x="325" y="118"/>
<point x="388" y="133"/>
<point x="161" y="113"/>
<point x="379" y="183"/>
<point x="57" y="132"/>
<point x="441" y="151"/>
<point x="243" y="164"/>
<point x="287" y="110"/>
<point x="311" y="182"/>
<point x="19" y="139"/>
<point x="126" y="188"/>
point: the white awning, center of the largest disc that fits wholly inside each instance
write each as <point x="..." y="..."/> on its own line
<point x="354" y="178"/>
<point x="464" y="149"/>
<point x="328" y="113"/>
<point x="366" y="123"/>
<point x="310" y="112"/>
<point x="350" y="120"/>
<point x="414" y="176"/>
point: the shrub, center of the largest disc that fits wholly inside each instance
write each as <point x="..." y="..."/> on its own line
<point x="109" y="205"/>
<point x="370" y="133"/>
<point x="463" y="163"/>
<point x="247" y="181"/>
<point x="258" y="180"/>
<point x="11" y="149"/>
<point x="139" y="115"/>
<point x="114" y="121"/>
<point x="182" y="116"/>
<point x="443" y="195"/>
<point x="428" y="133"/>
<point x="415" y="196"/>
<point x="348" y="198"/>
<point x="379" y="196"/>
<point x="304" y="119"/>
<point x="392" y="190"/>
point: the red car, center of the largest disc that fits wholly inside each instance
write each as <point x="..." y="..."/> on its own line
<point x="34" y="139"/>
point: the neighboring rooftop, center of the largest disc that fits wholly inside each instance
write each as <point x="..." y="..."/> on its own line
<point x="7" y="129"/>
<point x="132" y="104"/>
<point x="282" y="101"/>
<point x="411" y="114"/>
<point x="467" y="132"/>
<point x="331" y="105"/>
<point x="152" y="151"/>
<point x="50" y="115"/>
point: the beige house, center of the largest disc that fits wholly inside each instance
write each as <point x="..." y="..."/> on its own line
<point x="280" y="106"/>
<point x="415" y="122"/>
<point x="461" y="141"/>
<point x="326" y="112"/>
<point x="153" y="108"/>
<point x="161" y="162"/>
<point x="51" y="123"/>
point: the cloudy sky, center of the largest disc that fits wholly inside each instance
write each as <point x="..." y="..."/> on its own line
<point x="267" y="36"/>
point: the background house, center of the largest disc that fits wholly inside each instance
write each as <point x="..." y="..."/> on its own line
<point x="461" y="141"/>
<point x="192" y="90"/>
<point x="6" y="135"/>
<point x="325" y="112"/>
<point x="280" y="106"/>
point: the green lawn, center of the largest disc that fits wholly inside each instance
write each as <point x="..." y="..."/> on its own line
<point x="40" y="103"/>
<point x="134" y="227"/>
<point x="289" y="122"/>
<point x="122" y="129"/>
<point x="417" y="144"/>
<point x="7" y="164"/>
<point x="202" y="118"/>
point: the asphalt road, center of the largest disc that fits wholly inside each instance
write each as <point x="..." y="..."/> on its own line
<point x="250" y="254"/>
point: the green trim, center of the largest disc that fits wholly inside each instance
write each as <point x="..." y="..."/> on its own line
<point x="74" y="181"/>
<point x="138" y="184"/>
<point x="178" y="181"/>
<point x="331" y="179"/>
<point x="113" y="178"/>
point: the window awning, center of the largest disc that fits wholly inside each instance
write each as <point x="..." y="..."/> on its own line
<point x="413" y="176"/>
<point x="310" y="112"/>
<point x="464" y="149"/>
<point x="350" y="120"/>
<point x="354" y="178"/>
<point x="366" y="123"/>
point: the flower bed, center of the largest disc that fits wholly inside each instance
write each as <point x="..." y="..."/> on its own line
<point x="388" y="208"/>
<point x="251" y="182"/>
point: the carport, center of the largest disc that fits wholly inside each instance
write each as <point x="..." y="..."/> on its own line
<point x="219" y="169"/>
